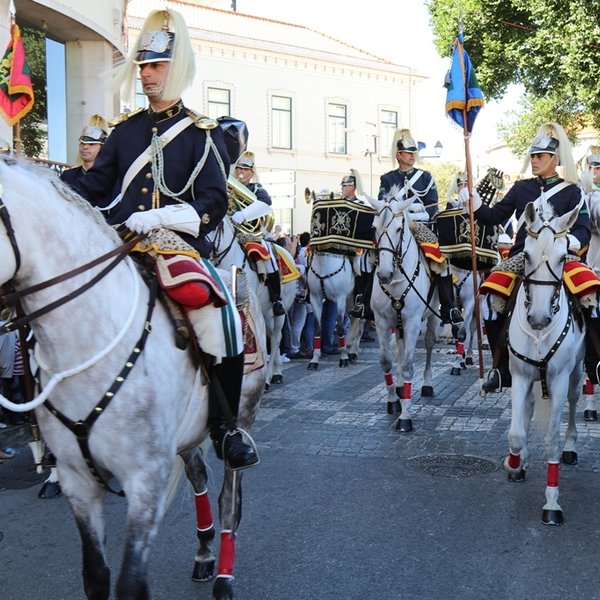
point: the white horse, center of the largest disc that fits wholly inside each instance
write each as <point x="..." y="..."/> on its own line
<point x="401" y="301"/>
<point x="226" y="251"/>
<point x="107" y="357"/>
<point x="330" y="276"/>
<point x="463" y="287"/>
<point x="546" y="343"/>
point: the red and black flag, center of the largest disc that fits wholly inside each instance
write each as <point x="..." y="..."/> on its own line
<point x="16" y="91"/>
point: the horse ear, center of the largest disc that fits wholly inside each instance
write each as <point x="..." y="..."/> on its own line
<point x="530" y="213"/>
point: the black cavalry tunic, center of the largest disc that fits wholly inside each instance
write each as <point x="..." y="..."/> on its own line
<point x="397" y="177"/>
<point x="529" y="190"/>
<point x="130" y="138"/>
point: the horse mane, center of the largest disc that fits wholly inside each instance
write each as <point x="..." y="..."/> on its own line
<point x="44" y="178"/>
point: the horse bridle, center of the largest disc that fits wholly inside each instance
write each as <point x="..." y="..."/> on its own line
<point x="13" y="297"/>
<point x="556" y="281"/>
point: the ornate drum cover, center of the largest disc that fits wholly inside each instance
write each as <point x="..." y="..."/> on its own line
<point x="455" y="240"/>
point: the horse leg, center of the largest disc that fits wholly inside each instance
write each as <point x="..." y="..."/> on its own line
<point x="590" y="413"/>
<point x="86" y="499"/>
<point x="230" y="513"/>
<point x="522" y="408"/>
<point x="406" y="353"/>
<point x="356" y="328"/>
<point x="385" y="362"/>
<point x="317" y="307"/>
<point x="195" y="469"/>
<point x="430" y="338"/>
<point x="276" y="375"/>
<point x="341" y="333"/>
<point x="569" y="453"/>
<point x="146" y="497"/>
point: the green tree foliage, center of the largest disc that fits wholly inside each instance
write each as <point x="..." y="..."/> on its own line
<point x="33" y="129"/>
<point x="551" y="48"/>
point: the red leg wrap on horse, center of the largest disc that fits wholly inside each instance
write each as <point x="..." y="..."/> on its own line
<point x="342" y="342"/>
<point x="389" y="379"/>
<point x="406" y="391"/>
<point x="552" y="474"/>
<point x="317" y="343"/>
<point x="204" y="517"/>
<point x="588" y="388"/>
<point x="226" y="553"/>
<point x="514" y="460"/>
<point x="460" y="348"/>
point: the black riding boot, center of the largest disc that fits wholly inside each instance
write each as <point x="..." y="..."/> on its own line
<point x="500" y="377"/>
<point x="591" y="356"/>
<point x="363" y="286"/>
<point x="448" y="311"/>
<point x="228" y="441"/>
<point x="274" y="287"/>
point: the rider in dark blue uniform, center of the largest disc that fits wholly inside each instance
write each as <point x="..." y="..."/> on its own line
<point x="170" y="165"/>
<point x="420" y="185"/>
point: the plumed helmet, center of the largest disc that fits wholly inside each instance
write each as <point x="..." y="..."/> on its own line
<point x="246" y="160"/>
<point x="552" y="139"/>
<point x="164" y="37"/>
<point x="95" y="132"/>
<point x="587" y="164"/>
<point x="403" y="141"/>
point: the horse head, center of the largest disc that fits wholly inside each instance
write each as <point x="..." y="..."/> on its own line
<point x="545" y="252"/>
<point x="391" y="230"/>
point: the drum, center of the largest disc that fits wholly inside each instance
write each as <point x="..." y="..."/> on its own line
<point x="455" y="240"/>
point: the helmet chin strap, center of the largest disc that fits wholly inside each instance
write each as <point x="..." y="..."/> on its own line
<point x="543" y="167"/>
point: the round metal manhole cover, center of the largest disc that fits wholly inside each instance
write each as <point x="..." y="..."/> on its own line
<point x="451" y="465"/>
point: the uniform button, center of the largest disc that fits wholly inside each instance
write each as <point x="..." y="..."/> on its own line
<point x="154" y="130"/>
<point x="148" y="175"/>
<point x="141" y="207"/>
<point x="144" y="190"/>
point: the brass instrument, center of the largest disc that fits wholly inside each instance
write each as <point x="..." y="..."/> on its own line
<point x="239" y="197"/>
<point x="312" y="196"/>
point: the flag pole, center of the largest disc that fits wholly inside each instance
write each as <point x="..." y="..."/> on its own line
<point x="469" y="170"/>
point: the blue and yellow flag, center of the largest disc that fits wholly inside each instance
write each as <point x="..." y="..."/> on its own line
<point x="464" y="94"/>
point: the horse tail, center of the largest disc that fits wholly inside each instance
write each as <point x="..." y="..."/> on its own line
<point x="174" y="480"/>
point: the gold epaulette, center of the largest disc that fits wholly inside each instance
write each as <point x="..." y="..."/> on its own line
<point x="202" y="121"/>
<point x="125" y="116"/>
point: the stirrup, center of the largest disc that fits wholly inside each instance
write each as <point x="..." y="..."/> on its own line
<point x="245" y="439"/>
<point x="358" y="311"/>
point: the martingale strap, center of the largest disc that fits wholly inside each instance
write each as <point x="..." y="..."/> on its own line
<point x="542" y="364"/>
<point x="82" y="429"/>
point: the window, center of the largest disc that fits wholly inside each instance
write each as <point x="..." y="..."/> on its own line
<point x="337" y="122"/>
<point x="281" y="118"/>
<point x="218" y="102"/>
<point x="141" y="101"/>
<point x="389" y="124"/>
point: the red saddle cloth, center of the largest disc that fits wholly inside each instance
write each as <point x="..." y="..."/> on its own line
<point x="578" y="277"/>
<point x="188" y="281"/>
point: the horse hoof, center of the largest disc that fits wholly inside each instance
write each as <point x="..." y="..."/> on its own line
<point x="427" y="391"/>
<point x="516" y="476"/>
<point x="552" y="517"/>
<point x="569" y="457"/>
<point x="404" y="425"/>
<point x="204" y="571"/>
<point x="463" y="364"/>
<point x="312" y="366"/>
<point x="277" y="379"/>
<point x="353" y="358"/>
<point x="469" y="361"/>
<point x="267" y="387"/>
<point x="50" y="490"/>
<point x="223" y="588"/>
<point x="343" y="362"/>
<point x="394" y="408"/>
<point x="455" y="371"/>
<point x="590" y="415"/>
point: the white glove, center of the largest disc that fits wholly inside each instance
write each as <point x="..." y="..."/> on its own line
<point x="177" y="217"/>
<point x="463" y="196"/>
<point x="574" y="244"/>
<point x="416" y="207"/>
<point x="238" y="217"/>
